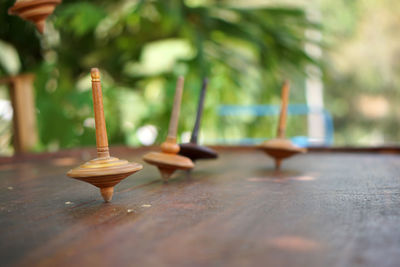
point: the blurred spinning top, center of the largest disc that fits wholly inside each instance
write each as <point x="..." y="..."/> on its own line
<point x="192" y="150"/>
<point x="35" y="11"/>
<point x="168" y="161"/>
<point x="281" y="148"/>
<point x="104" y="171"/>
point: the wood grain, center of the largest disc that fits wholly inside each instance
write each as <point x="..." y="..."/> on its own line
<point x="237" y="211"/>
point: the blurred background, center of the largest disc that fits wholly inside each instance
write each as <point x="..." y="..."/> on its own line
<point x="342" y="58"/>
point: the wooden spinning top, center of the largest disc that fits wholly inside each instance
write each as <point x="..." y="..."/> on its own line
<point x="281" y="148"/>
<point x="104" y="171"/>
<point x="192" y="150"/>
<point x="168" y="161"/>
<point x="35" y="11"/>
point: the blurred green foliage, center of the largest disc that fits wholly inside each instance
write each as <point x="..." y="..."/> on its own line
<point x="362" y="70"/>
<point x="141" y="47"/>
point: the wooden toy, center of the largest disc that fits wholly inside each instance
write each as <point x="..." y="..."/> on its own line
<point x="35" y="11"/>
<point x="168" y="161"/>
<point x="281" y="148"/>
<point x="192" y="150"/>
<point x="104" y="171"/>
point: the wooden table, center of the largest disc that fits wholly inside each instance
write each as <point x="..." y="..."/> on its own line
<point x="324" y="209"/>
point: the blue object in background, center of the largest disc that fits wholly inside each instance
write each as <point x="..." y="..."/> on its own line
<point x="272" y="110"/>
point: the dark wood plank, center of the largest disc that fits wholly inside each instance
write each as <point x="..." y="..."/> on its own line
<point x="324" y="209"/>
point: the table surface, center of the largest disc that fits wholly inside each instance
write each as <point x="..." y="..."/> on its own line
<point x="323" y="209"/>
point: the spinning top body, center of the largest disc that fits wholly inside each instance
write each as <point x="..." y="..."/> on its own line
<point x="35" y="11"/>
<point x="281" y="148"/>
<point x="104" y="171"/>
<point x="195" y="151"/>
<point x="167" y="160"/>
<point x="192" y="150"/>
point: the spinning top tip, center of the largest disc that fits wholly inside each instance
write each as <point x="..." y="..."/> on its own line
<point x="278" y="164"/>
<point x="107" y="193"/>
<point x="40" y="26"/>
<point x="166" y="173"/>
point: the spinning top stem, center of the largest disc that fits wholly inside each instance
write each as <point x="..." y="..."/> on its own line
<point x="173" y="123"/>
<point x="170" y="146"/>
<point x="199" y="114"/>
<point x="283" y="113"/>
<point x="100" y="122"/>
